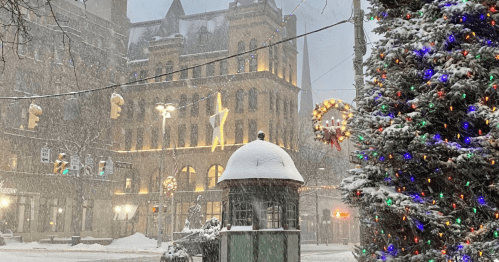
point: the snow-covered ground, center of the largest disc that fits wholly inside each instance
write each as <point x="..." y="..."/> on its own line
<point x="138" y="248"/>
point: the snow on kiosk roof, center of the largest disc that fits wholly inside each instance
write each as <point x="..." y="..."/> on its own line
<point x="261" y="160"/>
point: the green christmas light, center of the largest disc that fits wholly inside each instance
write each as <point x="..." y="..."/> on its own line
<point x="491" y="77"/>
<point x="423" y="123"/>
<point x="429" y="242"/>
<point x="364" y="250"/>
<point x="382" y="232"/>
<point x="372" y="18"/>
<point x="464" y="96"/>
<point x="496" y="234"/>
<point x="431" y="105"/>
<point x="477" y="57"/>
<point x="468" y="183"/>
<point x="470" y="155"/>
<point x="361" y="138"/>
<point x="458" y="220"/>
<point x="389" y="201"/>
<point x="375" y="153"/>
<point x="412" y="88"/>
<point x="441" y="195"/>
<point x="474" y="210"/>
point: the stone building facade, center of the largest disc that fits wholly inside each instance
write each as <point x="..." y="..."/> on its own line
<point x="36" y="202"/>
<point x="258" y="89"/>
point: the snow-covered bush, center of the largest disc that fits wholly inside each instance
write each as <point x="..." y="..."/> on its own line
<point x="175" y="253"/>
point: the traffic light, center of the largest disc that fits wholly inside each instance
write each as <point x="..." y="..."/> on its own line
<point x="60" y="165"/>
<point x="155" y="209"/>
<point x="34" y="111"/>
<point x="102" y="168"/>
<point x="116" y="101"/>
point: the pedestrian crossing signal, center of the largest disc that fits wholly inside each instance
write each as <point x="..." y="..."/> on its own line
<point x="102" y="168"/>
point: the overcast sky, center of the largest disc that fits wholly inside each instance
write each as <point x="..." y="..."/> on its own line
<point x="326" y="48"/>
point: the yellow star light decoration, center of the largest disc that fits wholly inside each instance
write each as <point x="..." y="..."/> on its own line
<point x="217" y="122"/>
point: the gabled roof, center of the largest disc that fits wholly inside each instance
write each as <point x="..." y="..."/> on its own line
<point x="169" y="24"/>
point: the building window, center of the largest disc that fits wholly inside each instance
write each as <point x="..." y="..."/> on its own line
<point x="143" y="75"/>
<point x="285" y="109"/>
<point x="291" y="215"/>
<point x="128" y="139"/>
<point x="240" y="58"/>
<point x="182" y="213"/>
<point x="166" y="137"/>
<point x="271" y="101"/>
<point x="276" y="60"/>
<point x="271" y="57"/>
<point x="195" y="105"/>
<point x="210" y="69"/>
<point x="24" y="214"/>
<point x="154" y="137"/>
<point x="184" y="74"/>
<point x="181" y="135"/>
<point x="132" y="77"/>
<point x="253" y="56"/>
<point x="239" y="132"/>
<point x="270" y="216"/>
<point x="183" y="105"/>
<point x="271" y="130"/>
<point x="159" y="71"/>
<point x="142" y="110"/>
<point x="252" y="130"/>
<point x="187" y="179"/>
<point x="285" y="137"/>
<point x="253" y="100"/>
<point x="194" y="135"/>
<point x="240" y="101"/>
<point x="210" y="109"/>
<point x="214" y="174"/>
<point x="276" y="135"/>
<point x="128" y="184"/>
<point x="209" y="134"/>
<point x="223" y="67"/>
<point x="196" y="72"/>
<point x="88" y="211"/>
<point x="212" y="210"/>
<point x="128" y="110"/>
<point x="291" y="138"/>
<point x="169" y="70"/>
<point x="140" y="139"/>
<point x="290" y="75"/>
<point x="51" y="216"/>
<point x="243" y="214"/>
<point x="277" y="104"/>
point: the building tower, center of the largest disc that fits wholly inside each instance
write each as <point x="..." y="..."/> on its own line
<point x="306" y="102"/>
<point x="170" y="23"/>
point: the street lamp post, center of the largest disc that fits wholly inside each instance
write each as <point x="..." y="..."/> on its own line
<point x="317" y="207"/>
<point x="164" y="109"/>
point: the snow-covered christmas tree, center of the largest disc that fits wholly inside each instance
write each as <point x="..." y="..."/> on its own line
<point x="427" y="129"/>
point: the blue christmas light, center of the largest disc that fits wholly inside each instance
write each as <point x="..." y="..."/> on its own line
<point x="366" y="158"/>
<point x="451" y="38"/>
<point x="464" y="18"/>
<point x="460" y="247"/>
<point x="412" y="179"/>
<point x="466" y="258"/>
<point x="419" y="225"/>
<point x="391" y="247"/>
<point x="381" y="158"/>
<point x="482" y="17"/>
<point x="407" y="156"/>
<point x="428" y="73"/>
<point x="444" y="78"/>
<point x="437" y="170"/>
<point x="489" y="42"/>
<point x="481" y="200"/>
<point x="467" y="140"/>
<point x="466" y="125"/>
<point x="436" y="137"/>
<point x="471" y="109"/>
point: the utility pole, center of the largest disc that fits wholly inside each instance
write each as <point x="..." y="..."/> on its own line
<point x="360" y="47"/>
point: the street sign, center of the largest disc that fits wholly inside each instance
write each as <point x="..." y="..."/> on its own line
<point x="124" y="165"/>
<point x="75" y="163"/>
<point x="45" y="155"/>
<point x="109" y="167"/>
<point x="89" y="161"/>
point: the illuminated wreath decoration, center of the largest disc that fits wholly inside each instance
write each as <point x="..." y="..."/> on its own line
<point x="169" y="185"/>
<point x="331" y="134"/>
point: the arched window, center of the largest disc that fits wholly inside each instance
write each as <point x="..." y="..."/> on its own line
<point x="169" y="70"/>
<point x="291" y="215"/>
<point x="270" y="215"/>
<point x="290" y="75"/>
<point x="195" y="105"/>
<point x="240" y="101"/>
<point x="143" y="74"/>
<point x="214" y="174"/>
<point x="132" y="77"/>
<point x="253" y="99"/>
<point x="271" y="101"/>
<point x="240" y="59"/>
<point x="253" y="56"/>
<point x="159" y="71"/>
<point x="285" y="109"/>
<point x="243" y="214"/>
<point x="276" y="60"/>
<point x="277" y="104"/>
<point x="187" y="179"/>
<point x="271" y="57"/>
<point x="182" y="105"/>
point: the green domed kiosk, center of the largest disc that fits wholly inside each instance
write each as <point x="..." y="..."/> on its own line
<point x="260" y="205"/>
